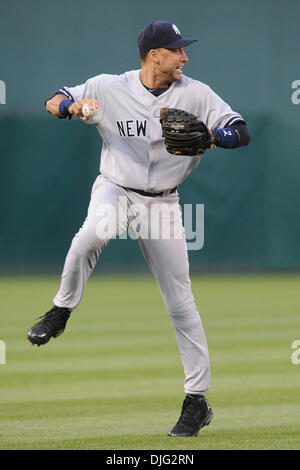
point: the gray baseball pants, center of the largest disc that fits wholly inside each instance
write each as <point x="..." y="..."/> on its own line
<point x="157" y="224"/>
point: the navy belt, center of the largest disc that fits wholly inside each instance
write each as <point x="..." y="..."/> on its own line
<point x="145" y="193"/>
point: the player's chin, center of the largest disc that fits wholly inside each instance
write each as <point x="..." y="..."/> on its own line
<point x="177" y="75"/>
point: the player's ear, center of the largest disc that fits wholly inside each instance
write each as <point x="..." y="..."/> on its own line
<point x="154" y="54"/>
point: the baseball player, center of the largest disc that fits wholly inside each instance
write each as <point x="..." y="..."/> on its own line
<point x="155" y="124"/>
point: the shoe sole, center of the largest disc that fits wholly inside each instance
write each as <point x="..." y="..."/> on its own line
<point x="45" y="341"/>
<point x="205" y="422"/>
<point x="37" y="343"/>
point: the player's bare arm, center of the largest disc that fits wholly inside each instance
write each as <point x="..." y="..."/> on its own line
<point x="53" y="106"/>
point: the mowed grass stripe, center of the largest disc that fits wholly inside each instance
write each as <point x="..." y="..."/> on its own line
<point x="243" y="404"/>
<point x="246" y="422"/>
<point x="252" y="389"/>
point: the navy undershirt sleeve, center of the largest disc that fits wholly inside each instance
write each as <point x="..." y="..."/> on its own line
<point x="233" y="136"/>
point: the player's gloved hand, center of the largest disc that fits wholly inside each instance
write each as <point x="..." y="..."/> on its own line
<point x="76" y="107"/>
<point x="184" y="133"/>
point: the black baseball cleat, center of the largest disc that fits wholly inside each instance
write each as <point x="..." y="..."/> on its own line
<point x="196" y="412"/>
<point x="52" y="324"/>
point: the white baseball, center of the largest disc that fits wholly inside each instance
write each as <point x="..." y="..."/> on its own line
<point x="87" y="111"/>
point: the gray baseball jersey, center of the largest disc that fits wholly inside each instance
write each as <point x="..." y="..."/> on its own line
<point x="133" y="153"/>
<point x="134" y="156"/>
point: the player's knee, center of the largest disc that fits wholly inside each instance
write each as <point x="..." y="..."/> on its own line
<point x="181" y="307"/>
<point x="105" y="232"/>
<point x="87" y="241"/>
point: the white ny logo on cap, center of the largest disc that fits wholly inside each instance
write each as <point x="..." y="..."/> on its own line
<point x="176" y="29"/>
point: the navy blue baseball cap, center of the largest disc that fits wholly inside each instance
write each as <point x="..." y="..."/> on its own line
<point x="161" y="34"/>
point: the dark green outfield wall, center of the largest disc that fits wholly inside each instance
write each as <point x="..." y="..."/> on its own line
<point x="248" y="52"/>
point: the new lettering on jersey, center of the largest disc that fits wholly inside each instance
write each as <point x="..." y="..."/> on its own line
<point x="131" y="129"/>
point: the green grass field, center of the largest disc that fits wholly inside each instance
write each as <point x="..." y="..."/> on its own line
<point x="114" y="379"/>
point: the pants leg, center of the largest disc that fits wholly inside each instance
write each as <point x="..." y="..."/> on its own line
<point x="106" y="218"/>
<point x="168" y="261"/>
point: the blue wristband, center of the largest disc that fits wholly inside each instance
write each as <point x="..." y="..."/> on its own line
<point x="227" y="137"/>
<point x="64" y="107"/>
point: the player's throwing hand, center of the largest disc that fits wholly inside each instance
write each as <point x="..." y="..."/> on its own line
<point x="84" y="108"/>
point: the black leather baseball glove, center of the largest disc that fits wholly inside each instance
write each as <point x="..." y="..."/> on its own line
<point x="184" y="133"/>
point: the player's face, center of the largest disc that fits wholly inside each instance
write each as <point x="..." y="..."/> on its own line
<point x="171" y="62"/>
